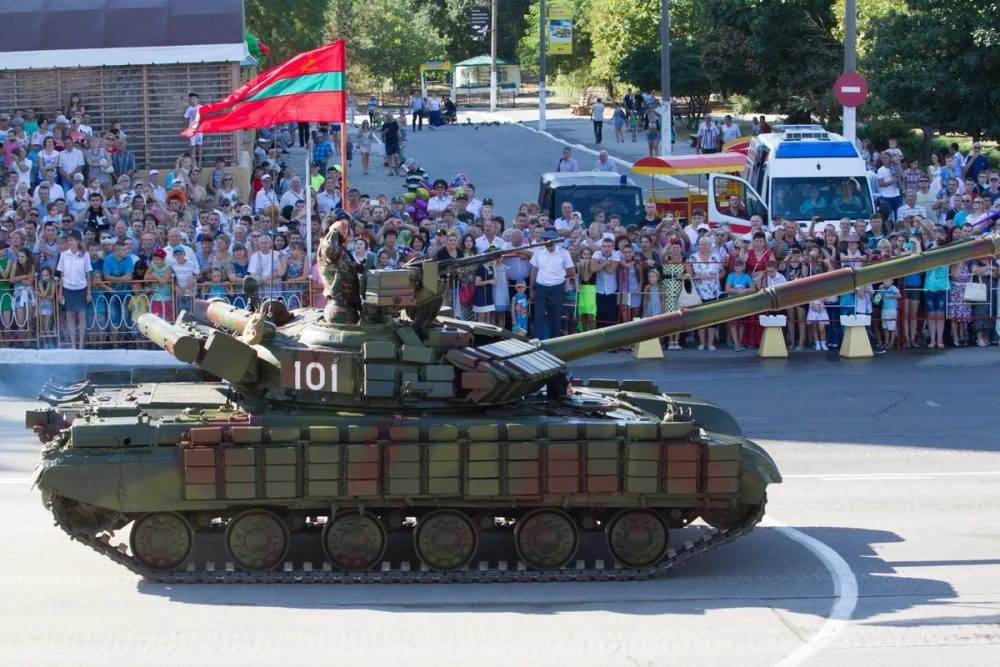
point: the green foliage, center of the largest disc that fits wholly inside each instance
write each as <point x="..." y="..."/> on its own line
<point x="869" y="14"/>
<point x="950" y="85"/>
<point x="780" y="54"/>
<point x="391" y="40"/>
<point x="880" y="130"/>
<point x="451" y="18"/>
<point x="741" y="104"/>
<point x="615" y="24"/>
<point x="641" y="68"/>
<point x="578" y="62"/>
<point x="288" y="27"/>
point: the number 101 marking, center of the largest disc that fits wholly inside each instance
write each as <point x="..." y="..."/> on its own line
<point x="314" y="374"/>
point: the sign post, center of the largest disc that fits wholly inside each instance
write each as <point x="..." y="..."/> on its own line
<point x="851" y="90"/>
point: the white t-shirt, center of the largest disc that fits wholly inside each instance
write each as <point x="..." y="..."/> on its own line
<point x="730" y="132"/>
<point x="264" y="265"/>
<point x="597" y="111"/>
<point x="264" y="199"/>
<point x="885" y="174"/>
<point x="75" y="269"/>
<point x="291" y="197"/>
<point x="191" y="113"/>
<point x="185" y="274"/>
<point x="70" y="160"/>
<point x="482" y="244"/>
<point x="552" y="266"/>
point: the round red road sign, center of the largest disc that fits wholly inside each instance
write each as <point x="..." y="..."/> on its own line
<point x="850" y="89"/>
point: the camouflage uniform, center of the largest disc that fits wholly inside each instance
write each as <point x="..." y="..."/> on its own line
<point x="341" y="280"/>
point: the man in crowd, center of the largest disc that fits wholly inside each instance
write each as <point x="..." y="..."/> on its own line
<point x="551" y="267"/>
<point x="605" y="164"/>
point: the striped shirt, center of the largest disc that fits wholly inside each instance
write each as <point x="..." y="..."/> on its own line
<point x="413" y="179"/>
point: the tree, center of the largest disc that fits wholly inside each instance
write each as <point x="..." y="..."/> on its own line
<point x="614" y="26"/>
<point x="288" y="27"/>
<point x="951" y="88"/>
<point x="392" y="47"/>
<point x="790" y="68"/>
<point x="451" y="19"/>
<point x="641" y="68"/>
<point x="527" y="46"/>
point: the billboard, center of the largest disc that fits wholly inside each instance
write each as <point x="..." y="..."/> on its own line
<point x="560" y="30"/>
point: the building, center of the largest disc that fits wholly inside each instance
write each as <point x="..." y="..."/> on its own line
<point x="134" y="61"/>
<point x="475" y="73"/>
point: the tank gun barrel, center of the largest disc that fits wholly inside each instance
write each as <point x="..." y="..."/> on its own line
<point x="178" y="341"/>
<point x="780" y="297"/>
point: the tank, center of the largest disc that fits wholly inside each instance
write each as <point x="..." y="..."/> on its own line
<point x="408" y="447"/>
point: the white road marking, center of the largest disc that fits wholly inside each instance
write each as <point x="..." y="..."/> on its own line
<point x="883" y="476"/>
<point x="845" y="590"/>
<point x="15" y="481"/>
<point x="580" y="147"/>
<point x="933" y="404"/>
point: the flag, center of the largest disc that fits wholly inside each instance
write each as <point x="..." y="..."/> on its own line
<point x="307" y="88"/>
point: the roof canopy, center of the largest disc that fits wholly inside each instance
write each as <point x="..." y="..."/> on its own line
<point x="690" y="164"/>
<point x="43" y="34"/>
<point x="484" y="61"/>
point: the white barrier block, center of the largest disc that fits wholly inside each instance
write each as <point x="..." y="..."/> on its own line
<point x="773" y="320"/>
<point x="856" y="320"/>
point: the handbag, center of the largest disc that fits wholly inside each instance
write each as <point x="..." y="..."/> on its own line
<point x="689" y="296"/>
<point x="975" y="291"/>
<point x="467" y="294"/>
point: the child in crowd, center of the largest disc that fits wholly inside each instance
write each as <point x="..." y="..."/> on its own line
<point x="216" y="284"/>
<point x="45" y="294"/>
<point x="890" y="311"/>
<point x="738" y="283"/>
<point x="519" y="308"/>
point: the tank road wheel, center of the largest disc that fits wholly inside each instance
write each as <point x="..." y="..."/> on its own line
<point x="161" y="540"/>
<point x="726" y="518"/>
<point x="445" y="540"/>
<point x="637" y="538"/>
<point x="546" y="539"/>
<point x="257" y="540"/>
<point x="354" y="542"/>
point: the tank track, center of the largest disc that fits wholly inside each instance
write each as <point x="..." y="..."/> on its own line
<point x="710" y="539"/>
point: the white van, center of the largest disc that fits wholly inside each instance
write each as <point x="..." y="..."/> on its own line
<point x="797" y="172"/>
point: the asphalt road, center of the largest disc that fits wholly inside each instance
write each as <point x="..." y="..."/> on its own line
<point x="892" y="467"/>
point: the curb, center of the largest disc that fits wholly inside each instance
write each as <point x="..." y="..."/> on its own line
<point x="116" y="357"/>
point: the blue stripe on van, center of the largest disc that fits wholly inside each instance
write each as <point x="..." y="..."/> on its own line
<point x="808" y="149"/>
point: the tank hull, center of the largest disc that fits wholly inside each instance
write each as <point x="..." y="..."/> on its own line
<point x="584" y="459"/>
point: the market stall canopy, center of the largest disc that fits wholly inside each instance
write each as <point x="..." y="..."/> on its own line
<point x="676" y="165"/>
<point x="43" y="34"/>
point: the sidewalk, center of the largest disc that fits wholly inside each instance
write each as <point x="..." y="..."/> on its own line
<point x="374" y="183"/>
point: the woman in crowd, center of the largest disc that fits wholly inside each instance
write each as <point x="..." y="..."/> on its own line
<point x="22" y="277"/>
<point x="451" y="251"/>
<point x="984" y="314"/>
<point x="485" y="280"/>
<point x="6" y="293"/>
<point x="936" y="287"/>
<point x="296" y="270"/>
<point x="757" y="258"/>
<point x="707" y="270"/>
<point x="74" y="288"/>
<point x="959" y="311"/>
<point x="674" y="271"/>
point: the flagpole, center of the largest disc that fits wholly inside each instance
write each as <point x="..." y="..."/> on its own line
<point x="309" y="187"/>
<point x="343" y="164"/>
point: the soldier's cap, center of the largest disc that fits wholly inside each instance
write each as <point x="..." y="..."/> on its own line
<point x="341" y="214"/>
<point x="550" y="235"/>
<point x="462" y="197"/>
<point x="488" y="200"/>
<point x="440" y="181"/>
<point x="397" y="199"/>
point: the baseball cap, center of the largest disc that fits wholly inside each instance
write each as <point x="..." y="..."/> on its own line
<point x="61" y="119"/>
<point x="265" y="177"/>
<point x="154" y="171"/>
<point x="180" y="249"/>
<point x="159" y="252"/>
<point x="703" y="226"/>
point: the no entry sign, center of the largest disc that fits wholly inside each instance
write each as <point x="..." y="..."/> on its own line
<point x="850" y="89"/>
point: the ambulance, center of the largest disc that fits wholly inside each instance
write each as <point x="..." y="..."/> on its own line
<point x="797" y="172"/>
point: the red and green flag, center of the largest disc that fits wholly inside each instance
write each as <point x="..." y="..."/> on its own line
<point x="307" y="88"/>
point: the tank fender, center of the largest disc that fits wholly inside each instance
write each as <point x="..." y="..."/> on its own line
<point x="759" y="470"/>
<point x="708" y="415"/>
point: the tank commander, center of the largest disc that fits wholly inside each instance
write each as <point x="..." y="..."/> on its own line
<point x="340" y="273"/>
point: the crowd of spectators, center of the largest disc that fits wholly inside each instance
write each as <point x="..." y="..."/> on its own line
<point x="86" y="244"/>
